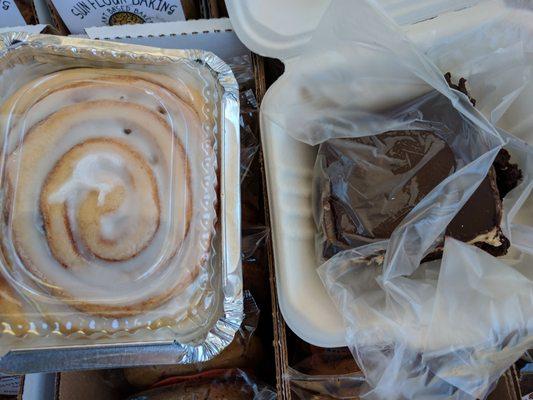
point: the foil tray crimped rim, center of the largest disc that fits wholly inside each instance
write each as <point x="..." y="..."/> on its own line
<point x="222" y="332"/>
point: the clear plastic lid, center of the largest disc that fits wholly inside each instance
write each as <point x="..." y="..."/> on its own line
<point x="110" y="199"/>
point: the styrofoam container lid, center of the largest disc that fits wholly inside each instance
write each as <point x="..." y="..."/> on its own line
<point x="279" y="28"/>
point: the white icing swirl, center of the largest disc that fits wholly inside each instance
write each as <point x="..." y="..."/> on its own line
<point x="128" y="161"/>
<point x="101" y="172"/>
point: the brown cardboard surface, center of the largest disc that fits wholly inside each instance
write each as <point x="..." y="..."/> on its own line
<point x="280" y="340"/>
<point x="90" y="385"/>
<point x="27" y="9"/>
<point x="21" y="388"/>
<point x="86" y="385"/>
<point x="56" y="19"/>
<point x="507" y="388"/>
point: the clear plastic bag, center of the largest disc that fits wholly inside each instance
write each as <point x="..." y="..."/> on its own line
<point x="304" y="387"/>
<point x="365" y="187"/>
<point x="243" y="71"/>
<point x="437" y="329"/>
<point x="317" y="372"/>
<point x="222" y="383"/>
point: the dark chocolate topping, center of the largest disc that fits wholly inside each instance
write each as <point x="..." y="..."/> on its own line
<point x="480" y="214"/>
<point x="508" y="175"/>
<point x="374" y="182"/>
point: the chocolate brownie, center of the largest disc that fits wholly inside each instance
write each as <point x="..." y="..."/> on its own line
<point x="508" y="175"/>
<point x="372" y="183"/>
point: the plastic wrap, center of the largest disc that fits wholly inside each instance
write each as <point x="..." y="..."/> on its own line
<point x="305" y="387"/>
<point x="249" y="122"/>
<point x="493" y="56"/>
<point x="433" y="330"/>
<point x="116" y="196"/>
<point x="254" y="232"/>
<point x="216" y="384"/>
<point x="247" y="350"/>
<point x="352" y="176"/>
<point x="316" y="372"/>
<point x="243" y="352"/>
<point x="249" y="118"/>
<point x="243" y="71"/>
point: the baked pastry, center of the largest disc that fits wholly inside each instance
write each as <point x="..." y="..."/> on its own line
<point x="109" y="199"/>
<point x="370" y="184"/>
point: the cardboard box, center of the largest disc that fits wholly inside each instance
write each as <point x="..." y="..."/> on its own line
<point x="83" y="13"/>
<point x="41" y="28"/>
<point x="87" y="385"/>
<point x="44" y="25"/>
<point x="10" y="385"/>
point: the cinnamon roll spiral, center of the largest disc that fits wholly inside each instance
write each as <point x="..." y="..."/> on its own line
<point x="109" y="198"/>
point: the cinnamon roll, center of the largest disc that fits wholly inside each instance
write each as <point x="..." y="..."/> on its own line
<point x="109" y="181"/>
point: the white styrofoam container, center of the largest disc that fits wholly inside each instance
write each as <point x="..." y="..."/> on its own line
<point x="279" y="28"/>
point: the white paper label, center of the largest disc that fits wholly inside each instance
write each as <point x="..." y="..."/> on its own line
<point x="9" y="385"/>
<point x="80" y="14"/>
<point x="10" y="14"/>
